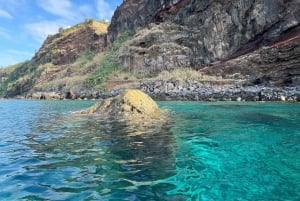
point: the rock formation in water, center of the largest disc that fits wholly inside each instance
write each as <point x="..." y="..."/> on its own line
<point x="130" y="104"/>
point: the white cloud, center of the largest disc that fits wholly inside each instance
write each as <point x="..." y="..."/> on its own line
<point x="4" y="34"/>
<point x="13" y="7"/>
<point x="67" y="14"/>
<point x="105" y="11"/>
<point x="5" y="14"/>
<point x="65" y="9"/>
<point x="40" y="30"/>
<point x="61" y="8"/>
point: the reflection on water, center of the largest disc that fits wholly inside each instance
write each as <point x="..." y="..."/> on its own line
<point x="208" y="151"/>
<point x="89" y="156"/>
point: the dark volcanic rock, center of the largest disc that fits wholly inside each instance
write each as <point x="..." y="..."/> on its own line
<point x="197" y="33"/>
<point x="133" y="14"/>
<point x="276" y="65"/>
<point x="174" y="90"/>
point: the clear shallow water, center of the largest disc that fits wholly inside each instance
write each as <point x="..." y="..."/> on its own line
<point x="209" y="151"/>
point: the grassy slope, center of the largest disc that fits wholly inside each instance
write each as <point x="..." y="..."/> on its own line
<point x="20" y="78"/>
<point x="92" y="71"/>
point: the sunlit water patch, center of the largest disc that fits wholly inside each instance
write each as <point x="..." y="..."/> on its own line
<point x="207" y="151"/>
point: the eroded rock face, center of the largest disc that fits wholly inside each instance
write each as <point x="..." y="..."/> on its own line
<point x="276" y="65"/>
<point x="197" y="33"/>
<point x="130" y="104"/>
<point x="66" y="46"/>
<point x="133" y="14"/>
<point x="152" y="50"/>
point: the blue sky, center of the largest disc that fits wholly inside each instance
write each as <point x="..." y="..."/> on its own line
<point x="25" y="24"/>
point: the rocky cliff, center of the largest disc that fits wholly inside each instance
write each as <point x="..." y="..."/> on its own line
<point x="66" y="46"/>
<point x="199" y="33"/>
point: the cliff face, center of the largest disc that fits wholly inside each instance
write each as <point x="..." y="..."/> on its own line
<point x="277" y="64"/>
<point x="66" y="46"/>
<point x="197" y="33"/>
<point x="133" y="14"/>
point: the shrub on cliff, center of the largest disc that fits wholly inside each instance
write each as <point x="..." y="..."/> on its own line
<point x="19" y="80"/>
<point x="108" y="64"/>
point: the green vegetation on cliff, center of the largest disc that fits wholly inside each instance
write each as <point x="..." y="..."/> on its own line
<point x="108" y="64"/>
<point x="63" y="62"/>
<point x="19" y="79"/>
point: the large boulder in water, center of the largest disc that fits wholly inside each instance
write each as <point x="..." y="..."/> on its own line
<point x="128" y="105"/>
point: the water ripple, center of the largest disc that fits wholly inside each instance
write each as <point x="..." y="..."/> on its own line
<point x="210" y="151"/>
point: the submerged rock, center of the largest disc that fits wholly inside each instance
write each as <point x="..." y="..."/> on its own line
<point x="129" y="105"/>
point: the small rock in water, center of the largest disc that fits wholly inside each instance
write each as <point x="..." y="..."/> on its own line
<point x="129" y="105"/>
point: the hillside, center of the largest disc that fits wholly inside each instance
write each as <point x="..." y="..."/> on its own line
<point x="61" y="65"/>
<point x="183" y="49"/>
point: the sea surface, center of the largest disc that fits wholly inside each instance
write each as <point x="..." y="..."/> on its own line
<point x="206" y="151"/>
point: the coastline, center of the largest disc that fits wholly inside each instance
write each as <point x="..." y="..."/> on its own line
<point x="176" y="91"/>
<point x="206" y="92"/>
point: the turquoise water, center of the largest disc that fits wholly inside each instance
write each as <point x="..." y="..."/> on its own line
<point x="208" y="151"/>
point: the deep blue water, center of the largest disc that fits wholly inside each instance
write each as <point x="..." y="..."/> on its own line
<point x="208" y="151"/>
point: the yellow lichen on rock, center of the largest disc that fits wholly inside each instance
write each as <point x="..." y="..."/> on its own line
<point x="135" y="101"/>
<point x="131" y="104"/>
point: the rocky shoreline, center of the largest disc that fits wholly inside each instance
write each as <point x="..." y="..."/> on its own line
<point x="206" y="92"/>
<point x="189" y="91"/>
